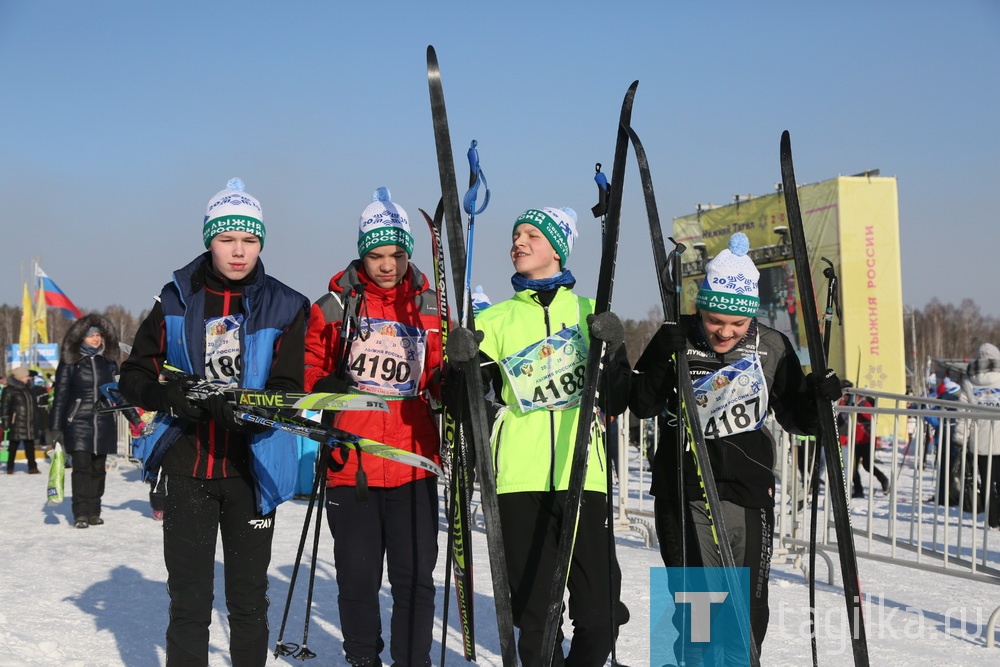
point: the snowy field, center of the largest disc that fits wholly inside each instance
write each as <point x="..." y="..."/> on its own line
<point x="97" y="597"/>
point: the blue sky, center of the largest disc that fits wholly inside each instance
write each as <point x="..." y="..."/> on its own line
<point x="120" y="120"/>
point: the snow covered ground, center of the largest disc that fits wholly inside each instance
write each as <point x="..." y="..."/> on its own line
<point x="97" y="597"/>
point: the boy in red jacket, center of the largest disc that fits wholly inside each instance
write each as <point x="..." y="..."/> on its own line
<point x="377" y="331"/>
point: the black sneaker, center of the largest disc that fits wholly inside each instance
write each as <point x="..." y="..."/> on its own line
<point x="81" y="523"/>
<point x="96" y="521"/>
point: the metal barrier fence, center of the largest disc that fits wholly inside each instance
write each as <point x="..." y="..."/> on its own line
<point x="929" y="516"/>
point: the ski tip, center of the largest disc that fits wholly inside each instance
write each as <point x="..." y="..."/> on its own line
<point x="786" y="142"/>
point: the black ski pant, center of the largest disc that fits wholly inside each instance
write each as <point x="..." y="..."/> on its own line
<point x="398" y="525"/>
<point x="88" y="478"/>
<point x="531" y="522"/>
<point x="29" y="454"/>
<point x="863" y="459"/>
<point x="195" y="510"/>
<point x="751" y="534"/>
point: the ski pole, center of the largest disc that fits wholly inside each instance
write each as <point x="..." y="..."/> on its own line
<point x="600" y="209"/>
<point x="476" y="178"/>
<point x="281" y="647"/>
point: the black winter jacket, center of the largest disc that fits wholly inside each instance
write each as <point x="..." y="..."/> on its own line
<point x="20" y="410"/>
<point x="743" y="463"/>
<point x="77" y="389"/>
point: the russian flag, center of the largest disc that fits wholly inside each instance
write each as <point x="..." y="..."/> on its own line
<point x="55" y="297"/>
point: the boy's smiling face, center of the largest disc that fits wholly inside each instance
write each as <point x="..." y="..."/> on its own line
<point x="532" y="254"/>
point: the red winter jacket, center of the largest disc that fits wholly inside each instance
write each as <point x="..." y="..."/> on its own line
<point x="410" y="423"/>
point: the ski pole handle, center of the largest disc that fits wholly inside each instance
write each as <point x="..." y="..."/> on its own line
<point x="476" y="178"/>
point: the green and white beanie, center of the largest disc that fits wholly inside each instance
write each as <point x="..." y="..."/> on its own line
<point x="384" y="223"/>
<point x="233" y="210"/>
<point x="731" y="279"/>
<point x="557" y="224"/>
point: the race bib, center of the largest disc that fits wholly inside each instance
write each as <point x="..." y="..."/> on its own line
<point x="222" y="350"/>
<point x="387" y="358"/>
<point x="733" y="399"/>
<point x="987" y="396"/>
<point x="549" y="374"/>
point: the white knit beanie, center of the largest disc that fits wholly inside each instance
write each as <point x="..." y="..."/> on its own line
<point x="557" y="224"/>
<point x="233" y="210"/>
<point x="384" y="223"/>
<point x="731" y="279"/>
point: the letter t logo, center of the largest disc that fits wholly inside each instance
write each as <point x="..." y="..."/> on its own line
<point x="701" y="611"/>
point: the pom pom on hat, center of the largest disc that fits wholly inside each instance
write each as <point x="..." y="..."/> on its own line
<point x="233" y="210"/>
<point x="731" y="281"/>
<point x="384" y="223"/>
<point x="480" y="301"/>
<point x="557" y="224"/>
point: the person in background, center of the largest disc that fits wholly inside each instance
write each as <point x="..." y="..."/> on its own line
<point x="862" y="441"/>
<point x="981" y="387"/>
<point x="88" y="359"/>
<point x="392" y="350"/>
<point x="222" y="319"/>
<point x="949" y="452"/>
<point x="43" y="400"/>
<point x="20" y="418"/>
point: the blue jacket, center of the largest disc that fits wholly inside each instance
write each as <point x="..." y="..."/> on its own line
<point x="269" y="307"/>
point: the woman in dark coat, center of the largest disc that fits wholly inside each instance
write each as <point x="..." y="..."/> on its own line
<point x="19" y="418"/>
<point x="88" y="358"/>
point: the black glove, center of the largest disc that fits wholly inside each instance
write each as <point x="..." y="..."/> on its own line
<point x="173" y="400"/>
<point x="339" y="455"/>
<point x="463" y="345"/>
<point x="668" y="339"/>
<point x="608" y="328"/>
<point x="220" y="410"/>
<point x="331" y="384"/>
<point x="53" y="436"/>
<point x="826" y="386"/>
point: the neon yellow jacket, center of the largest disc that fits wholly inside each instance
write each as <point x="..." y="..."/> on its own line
<point x="532" y="451"/>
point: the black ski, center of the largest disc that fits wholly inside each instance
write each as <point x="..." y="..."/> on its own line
<point x="588" y="399"/>
<point x="687" y="412"/>
<point x="826" y="438"/>
<point x="458" y="504"/>
<point x="470" y="374"/>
